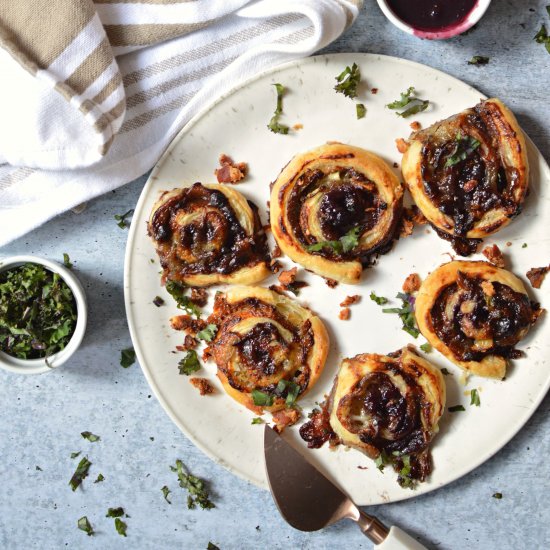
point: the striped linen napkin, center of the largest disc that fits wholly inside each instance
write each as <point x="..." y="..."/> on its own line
<point x="93" y="92"/>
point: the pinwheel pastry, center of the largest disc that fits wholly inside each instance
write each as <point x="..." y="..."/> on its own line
<point x="388" y="407"/>
<point x="207" y="234"/>
<point x="334" y="208"/>
<point x="475" y="313"/>
<point x="469" y="174"/>
<point x="269" y="349"/>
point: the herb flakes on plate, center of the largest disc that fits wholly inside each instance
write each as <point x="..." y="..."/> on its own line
<point x="348" y="81"/>
<point x="410" y="104"/>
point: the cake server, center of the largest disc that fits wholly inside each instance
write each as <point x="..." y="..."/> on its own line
<point x="309" y="501"/>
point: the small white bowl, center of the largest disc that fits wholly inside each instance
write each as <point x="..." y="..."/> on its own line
<point x="38" y="366"/>
<point x="473" y="17"/>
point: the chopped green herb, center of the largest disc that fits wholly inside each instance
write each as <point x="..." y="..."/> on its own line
<point x="382" y="460"/>
<point x="456" y="408"/>
<point x="158" y="301"/>
<point x="274" y="125"/>
<point x="542" y="37"/>
<point x="360" y="110"/>
<point x="90" y="436"/>
<point x="380" y="300"/>
<point x="524" y="245"/>
<point x="177" y="292"/>
<point x="115" y="512"/>
<point x="548" y="10"/>
<point x="37" y="312"/>
<point x="404" y="478"/>
<point x="67" y="261"/>
<point x="120" y="527"/>
<point x="406" y="314"/>
<point x="84" y="525"/>
<point x="74" y="455"/>
<point x="445" y="372"/>
<point x="463" y="148"/>
<point x="127" y="358"/>
<point x="345" y="244"/>
<point x="190" y="363"/>
<point x="479" y="60"/>
<point x="208" y="333"/>
<point x="261" y="399"/>
<point x="121" y="218"/>
<point x="165" y="493"/>
<point x="80" y="473"/>
<point x="426" y="348"/>
<point x="291" y="389"/>
<point x="497" y="495"/>
<point x="348" y="80"/>
<point x="196" y="487"/>
<point x="212" y="546"/>
<point x="257" y="420"/>
<point x="414" y="104"/>
<point x="39" y="469"/>
<point x="99" y="478"/>
<point x="474" y="398"/>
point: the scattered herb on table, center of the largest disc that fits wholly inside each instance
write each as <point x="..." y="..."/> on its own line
<point x="80" y="473"/>
<point x="406" y="313"/>
<point x="426" y="348"/>
<point x="120" y="527"/>
<point x="257" y="420"/>
<point x="37" y="312"/>
<point x="165" y="493"/>
<point x="90" y="436"/>
<point x="479" y="60"/>
<point x="207" y="333"/>
<point x="542" y="37"/>
<point x="115" y="512"/>
<point x="99" y="478"/>
<point x="74" y="455"/>
<point x="464" y="147"/>
<point x="474" y="398"/>
<point x="212" y="546"/>
<point x="121" y="218"/>
<point x="360" y="110"/>
<point x="127" y="358"/>
<point x="348" y="80"/>
<point x="177" y="292"/>
<point x="344" y="244"/>
<point x="410" y="104"/>
<point x="190" y="363"/>
<point x="380" y="300"/>
<point x="261" y="399"/>
<point x="445" y="372"/>
<point x="498" y="496"/>
<point x="274" y="125"/>
<point x="196" y="487"/>
<point x="457" y="408"/>
<point x="158" y="301"/>
<point x="39" y="469"/>
<point x="67" y="261"/>
<point x="84" y="525"/>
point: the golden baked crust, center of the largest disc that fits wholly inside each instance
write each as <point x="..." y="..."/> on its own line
<point x="389" y="406"/>
<point x="266" y="343"/>
<point x="474" y="313"/>
<point x="328" y="193"/>
<point x="469" y="174"/>
<point x="208" y="234"/>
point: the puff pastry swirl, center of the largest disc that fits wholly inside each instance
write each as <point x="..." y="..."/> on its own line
<point x="475" y="313"/>
<point x="269" y="349"/>
<point x="333" y="208"/>
<point x="469" y="174"/>
<point x="208" y="234"/>
<point x="388" y="407"/>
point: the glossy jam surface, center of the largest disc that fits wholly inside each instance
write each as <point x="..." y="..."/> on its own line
<point x="432" y="15"/>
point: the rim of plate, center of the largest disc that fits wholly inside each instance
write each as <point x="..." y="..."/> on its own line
<point x="500" y="441"/>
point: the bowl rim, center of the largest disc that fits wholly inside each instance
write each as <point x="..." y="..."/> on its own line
<point x="39" y="366"/>
<point x="473" y="17"/>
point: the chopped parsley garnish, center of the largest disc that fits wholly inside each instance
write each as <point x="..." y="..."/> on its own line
<point x="196" y="487"/>
<point x="127" y="358"/>
<point x="292" y="391"/>
<point x="497" y="495"/>
<point x="344" y="244"/>
<point x="426" y="348"/>
<point x="165" y="493"/>
<point x="524" y="245"/>
<point x="463" y="148"/>
<point x="382" y="460"/>
<point x="479" y="60"/>
<point x="474" y="398"/>
<point x="208" y="333"/>
<point x="404" y="478"/>
<point x="212" y="546"/>
<point x="406" y="313"/>
<point x="74" y="455"/>
<point x="348" y="80"/>
<point x="190" y="363"/>
<point x="121" y="218"/>
<point x="542" y="37"/>
<point x="274" y="125"/>
<point x="380" y="300"/>
<point x="99" y="478"/>
<point x="177" y="292"/>
<point x="257" y="420"/>
<point x="90" y="436"/>
<point x="261" y="399"/>
<point x="413" y="104"/>
<point x="37" y="312"/>
<point x="360" y="110"/>
<point x="80" y="473"/>
<point x="158" y="301"/>
<point x="38" y="469"/>
<point x="120" y="527"/>
<point x="85" y="525"/>
<point x="115" y="512"/>
<point x="457" y="408"/>
<point x="67" y="261"/>
<point x="445" y="372"/>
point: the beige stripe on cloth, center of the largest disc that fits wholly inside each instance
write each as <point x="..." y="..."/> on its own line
<point x="167" y="2"/>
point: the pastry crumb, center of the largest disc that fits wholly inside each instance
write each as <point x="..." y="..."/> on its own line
<point x="276" y="253"/>
<point x="395" y="165"/>
<point x="374" y="91"/>
<point x="203" y="385"/>
<point x="509" y="243"/>
<point x="402" y="145"/>
<point x="298" y="126"/>
<point x="536" y="275"/>
<point x="229" y="171"/>
<point x="275" y="266"/>
<point x="415" y="125"/>
<point x="199" y="296"/>
<point x="488" y="288"/>
<point x="350" y="300"/>
<point x="494" y="255"/>
<point x="412" y="283"/>
<point x="189" y="342"/>
<point x="285" y="418"/>
<point x="288" y="277"/>
<point x="344" y="314"/>
<point x="331" y="283"/>
<point x="186" y="322"/>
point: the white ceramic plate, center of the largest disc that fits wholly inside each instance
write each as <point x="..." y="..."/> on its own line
<point x="236" y="125"/>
